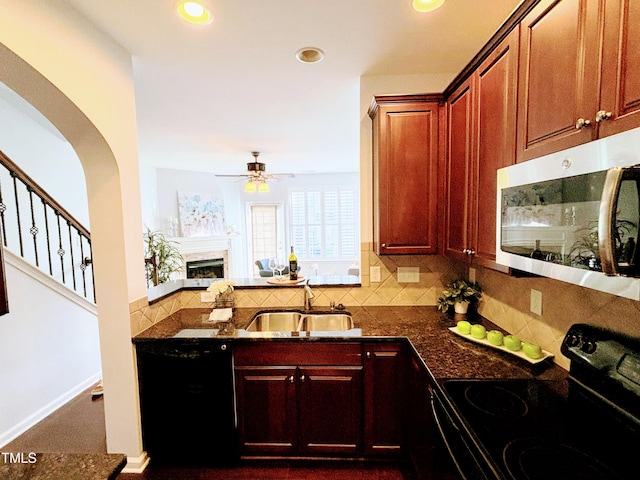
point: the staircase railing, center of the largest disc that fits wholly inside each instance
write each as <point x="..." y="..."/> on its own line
<point x="41" y="231"/>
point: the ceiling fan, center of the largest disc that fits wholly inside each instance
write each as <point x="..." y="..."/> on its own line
<point x="257" y="178"/>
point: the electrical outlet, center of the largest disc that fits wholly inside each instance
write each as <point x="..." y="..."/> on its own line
<point x="374" y="274"/>
<point x="472" y="275"/>
<point x="536" y="302"/>
<point x="207" y="297"/>
<point x="408" y="274"/>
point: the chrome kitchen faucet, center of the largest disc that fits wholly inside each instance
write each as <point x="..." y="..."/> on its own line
<point x="308" y="295"/>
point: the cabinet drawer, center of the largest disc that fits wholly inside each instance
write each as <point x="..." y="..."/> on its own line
<point x="298" y="353"/>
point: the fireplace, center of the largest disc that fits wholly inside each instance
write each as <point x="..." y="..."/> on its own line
<point x="208" y="268"/>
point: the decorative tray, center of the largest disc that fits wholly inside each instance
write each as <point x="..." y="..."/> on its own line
<point x="283" y="281"/>
<point x="519" y="353"/>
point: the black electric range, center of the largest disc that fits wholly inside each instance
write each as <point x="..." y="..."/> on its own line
<point x="584" y="427"/>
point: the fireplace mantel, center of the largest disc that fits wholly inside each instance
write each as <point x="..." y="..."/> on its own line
<point x="202" y="244"/>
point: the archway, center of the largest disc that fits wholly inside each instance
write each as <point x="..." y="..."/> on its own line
<point x="109" y="160"/>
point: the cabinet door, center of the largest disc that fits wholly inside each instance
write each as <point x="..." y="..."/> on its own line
<point x="459" y="173"/>
<point x="330" y="402"/>
<point x="495" y="142"/>
<point x="620" y="90"/>
<point x="559" y="64"/>
<point x="405" y="178"/>
<point x="267" y="411"/>
<point x="384" y="385"/>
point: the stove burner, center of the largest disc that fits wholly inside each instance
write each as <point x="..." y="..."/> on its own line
<point x="535" y="459"/>
<point x="496" y="401"/>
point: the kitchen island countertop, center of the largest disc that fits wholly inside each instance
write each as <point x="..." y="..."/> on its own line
<point x="446" y="355"/>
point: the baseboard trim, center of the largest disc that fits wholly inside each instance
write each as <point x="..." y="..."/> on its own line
<point x="136" y="464"/>
<point x="36" y="417"/>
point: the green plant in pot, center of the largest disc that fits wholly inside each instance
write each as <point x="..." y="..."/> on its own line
<point x="459" y="294"/>
<point x="162" y="257"/>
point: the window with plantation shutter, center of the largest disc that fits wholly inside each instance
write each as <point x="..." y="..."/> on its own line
<point x="324" y="222"/>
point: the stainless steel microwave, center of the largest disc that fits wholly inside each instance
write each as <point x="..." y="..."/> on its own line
<point x="574" y="215"/>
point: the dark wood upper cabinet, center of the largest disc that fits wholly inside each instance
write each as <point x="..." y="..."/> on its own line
<point x="481" y="133"/>
<point x="459" y="171"/>
<point x="405" y="173"/>
<point x="620" y="88"/>
<point x="495" y="144"/>
<point x="580" y="64"/>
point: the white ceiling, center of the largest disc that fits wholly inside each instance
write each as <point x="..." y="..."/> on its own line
<point x="206" y="96"/>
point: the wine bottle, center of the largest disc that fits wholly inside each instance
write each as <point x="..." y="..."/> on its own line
<point x="293" y="265"/>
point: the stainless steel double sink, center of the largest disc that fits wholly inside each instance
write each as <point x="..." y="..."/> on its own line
<point x="293" y="321"/>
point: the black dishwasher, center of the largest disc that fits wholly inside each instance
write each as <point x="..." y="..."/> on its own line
<point x="186" y="401"/>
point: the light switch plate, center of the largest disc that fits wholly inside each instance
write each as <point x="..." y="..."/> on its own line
<point x="374" y="274"/>
<point x="207" y="297"/>
<point x="408" y="274"/>
<point x="536" y="302"/>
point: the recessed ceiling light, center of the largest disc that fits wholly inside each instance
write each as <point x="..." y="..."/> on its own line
<point x="309" y="55"/>
<point x="194" y="12"/>
<point x="427" y="5"/>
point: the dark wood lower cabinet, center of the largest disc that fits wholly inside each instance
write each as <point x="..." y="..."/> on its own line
<point x="385" y="398"/>
<point x="266" y="399"/>
<point x="310" y="406"/>
<point x="330" y="407"/>
<point x="359" y="400"/>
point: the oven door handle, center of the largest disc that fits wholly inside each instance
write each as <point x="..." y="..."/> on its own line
<point x="443" y="435"/>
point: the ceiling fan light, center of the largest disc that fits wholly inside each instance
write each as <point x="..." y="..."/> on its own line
<point x="250" y="186"/>
<point x="427" y="5"/>
<point x="263" y="187"/>
<point x="194" y="12"/>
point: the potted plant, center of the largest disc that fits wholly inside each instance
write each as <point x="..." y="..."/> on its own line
<point x="460" y="294"/>
<point x="162" y="257"/>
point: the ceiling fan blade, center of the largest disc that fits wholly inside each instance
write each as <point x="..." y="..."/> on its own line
<point x="244" y="175"/>
<point x="279" y="175"/>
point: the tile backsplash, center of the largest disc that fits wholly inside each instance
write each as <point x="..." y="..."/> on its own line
<point x="505" y="300"/>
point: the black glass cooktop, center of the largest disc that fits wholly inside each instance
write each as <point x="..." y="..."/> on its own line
<point x="531" y="429"/>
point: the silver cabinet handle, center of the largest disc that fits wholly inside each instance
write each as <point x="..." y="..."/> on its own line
<point x="582" y="123"/>
<point x="368" y="354"/>
<point x="603" y="115"/>
<point x="223" y="347"/>
<point x="302" y="378"/>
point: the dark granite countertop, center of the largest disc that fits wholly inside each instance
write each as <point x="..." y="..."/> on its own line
<point x="56" y="466"/>
<point x="445" y="355"/>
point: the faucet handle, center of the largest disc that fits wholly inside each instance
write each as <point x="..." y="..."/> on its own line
<point x="332" y="305"/>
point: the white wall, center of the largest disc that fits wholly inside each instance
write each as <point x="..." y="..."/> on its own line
<point x="36" y="146"/>
<point x="49" y="348"/>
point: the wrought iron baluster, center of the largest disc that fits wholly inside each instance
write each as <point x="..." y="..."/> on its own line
<point x="3" y="208"/>
<point x="15" y="192"/>
<point x="60" y="249"/>
<point x="46" y="229"/>
<point x="83" y="267"/>
<point x="34" y="228"/>
<point x="73" y="264"/>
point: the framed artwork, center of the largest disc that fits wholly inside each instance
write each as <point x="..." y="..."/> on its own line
<point x="201" y="214"/>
